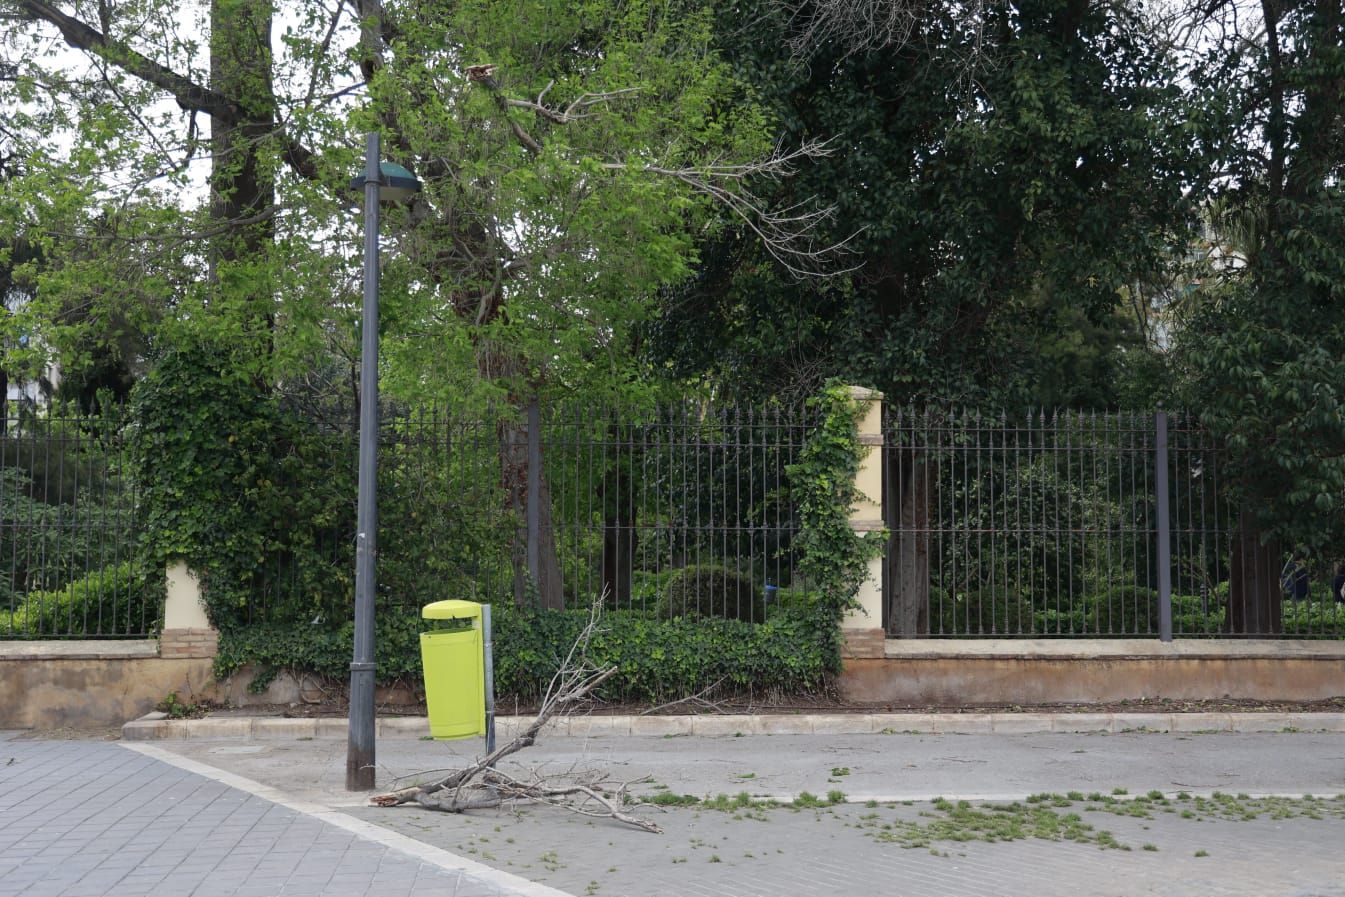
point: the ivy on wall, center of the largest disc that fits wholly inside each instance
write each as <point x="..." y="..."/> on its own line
<point x="834" y="558"/>
<point x="230" y="484"/>
<point x="242" y="492"/>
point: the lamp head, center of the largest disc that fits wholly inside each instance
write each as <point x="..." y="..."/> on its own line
<point x="395" y="184"/>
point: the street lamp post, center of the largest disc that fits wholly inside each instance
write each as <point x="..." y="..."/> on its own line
<point x="384" y="182"/>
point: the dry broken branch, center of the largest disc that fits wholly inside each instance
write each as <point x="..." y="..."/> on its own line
<point x="793" y="235"/>
<point x="482" y="786"/>
<point x="698" y="699"/>
<point x="855" y="26"/>
<point x="575" y="110"/>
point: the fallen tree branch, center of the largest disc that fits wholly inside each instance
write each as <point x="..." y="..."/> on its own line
<point x="481" y="785"/>
<point x="698" y="698"/>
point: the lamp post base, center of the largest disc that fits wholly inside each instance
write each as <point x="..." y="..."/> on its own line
<point x="360" y="767"/>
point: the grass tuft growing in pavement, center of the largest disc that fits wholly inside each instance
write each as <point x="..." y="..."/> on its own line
<point x="960" y="821"/>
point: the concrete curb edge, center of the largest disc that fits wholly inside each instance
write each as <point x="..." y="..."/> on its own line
<point x="284" y="728"/>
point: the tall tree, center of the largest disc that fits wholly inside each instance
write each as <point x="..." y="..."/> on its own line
<point x="569" y="153"/>
<point x="1005" y="170"/>
<point x="1263" y="347"/>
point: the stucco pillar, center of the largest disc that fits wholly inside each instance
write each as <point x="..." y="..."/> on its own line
<point x="186" y="629"/>
<point x="862" y="627"/>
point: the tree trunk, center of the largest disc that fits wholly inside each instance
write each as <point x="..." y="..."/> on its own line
<point x="1254" y="597"/>
<point x="534" y="555"/>
<point x="618" y="529"/>
<point x="908" y="487"/>
<point x="242" y="188"/>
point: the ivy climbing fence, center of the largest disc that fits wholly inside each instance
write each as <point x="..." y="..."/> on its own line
<point x="1068" y="524"/>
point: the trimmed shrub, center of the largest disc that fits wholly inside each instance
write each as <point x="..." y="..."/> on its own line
<point x="657" y="660"/>
<point x="115" y="600"/>
<point x="712" y="591"/>
<point x="983" y="612"/>
<point x="1122" y="610"/>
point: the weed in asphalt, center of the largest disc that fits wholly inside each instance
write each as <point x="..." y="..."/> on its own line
<point x="669" y="799"/>
<point x="960" y="821"/>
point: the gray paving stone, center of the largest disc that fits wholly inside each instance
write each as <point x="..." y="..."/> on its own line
<point x="136" y="827"/>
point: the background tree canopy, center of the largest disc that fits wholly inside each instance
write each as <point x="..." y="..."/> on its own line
<point x="1080" y="203"/>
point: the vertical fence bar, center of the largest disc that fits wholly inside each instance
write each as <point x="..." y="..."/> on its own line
<point x="535" y="492"/>
<point x="1164" y="527"/>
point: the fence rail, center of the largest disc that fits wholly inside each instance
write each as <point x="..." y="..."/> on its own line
<point x="674" y="510"/>
<point x="1076" y="525"/>
<point x="68" y="564"/>
<point x="683" y="509"/>
<point x="1057" y="525"/>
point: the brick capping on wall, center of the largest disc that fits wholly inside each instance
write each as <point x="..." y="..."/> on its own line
<point x="861" y="643"/>
<point x="189" y="643"/>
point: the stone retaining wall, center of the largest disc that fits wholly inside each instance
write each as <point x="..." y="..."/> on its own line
<point x="965" y="672"/>
<point x="50" y="685"/>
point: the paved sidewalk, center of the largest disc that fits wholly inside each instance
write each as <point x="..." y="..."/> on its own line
<point x="1271" y="849"/>
<point x="91" y="818"/>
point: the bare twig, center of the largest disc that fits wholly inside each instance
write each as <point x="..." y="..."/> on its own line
<point x="697" y="698"/>
<point x="793" y="235"/>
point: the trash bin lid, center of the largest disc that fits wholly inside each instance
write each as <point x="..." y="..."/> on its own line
<point x="451" y="610"/>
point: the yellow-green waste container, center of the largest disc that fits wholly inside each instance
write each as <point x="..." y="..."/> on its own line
<point x="453" y="655"/>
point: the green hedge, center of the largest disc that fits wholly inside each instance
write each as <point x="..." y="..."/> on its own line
<point x="712" y="591"/>
<point x="675" y="647"/>
<point x="657" y="660"/>
<point x="115" y="600"/>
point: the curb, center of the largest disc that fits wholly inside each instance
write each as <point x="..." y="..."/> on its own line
<point x="154" y="728"/>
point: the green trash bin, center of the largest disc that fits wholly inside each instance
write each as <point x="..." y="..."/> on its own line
<point x="453" y="655"/>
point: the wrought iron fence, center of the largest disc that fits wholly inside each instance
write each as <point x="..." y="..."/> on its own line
<point x="1076" y="525"/>
<point x="68" y="564"/>
<point x="675" y="510"/>
<point x="1046" y="525"/>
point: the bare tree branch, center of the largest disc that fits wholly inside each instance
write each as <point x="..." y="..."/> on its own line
<point x="190" y="95"/>
<point x="793" y="235"/>
<point x="856" y="26"/>
<point x="576" y="110"/>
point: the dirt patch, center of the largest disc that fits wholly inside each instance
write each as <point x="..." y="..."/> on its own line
<point x="69" y="733"/>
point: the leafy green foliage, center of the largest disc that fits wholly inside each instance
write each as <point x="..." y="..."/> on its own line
<point x="833" y="559"/>
<point x="656" y="659"/>
<point x="1262" y="345"/>
<point x="175" y="708"/>
<point x="1004" y="176"/>
<point x="114" y="600"/>
<point x="234" y="486"/>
